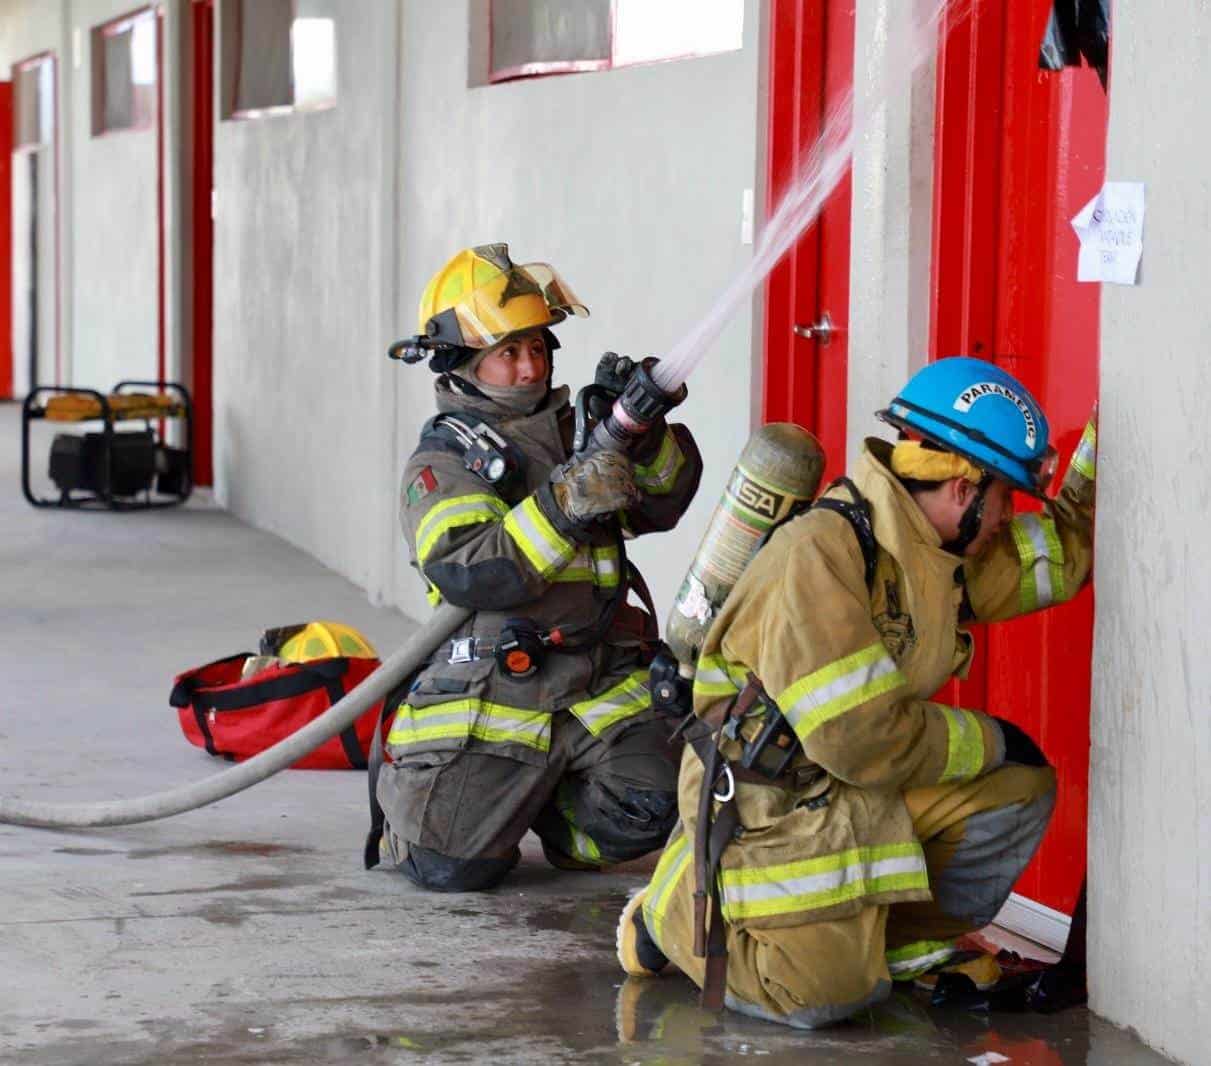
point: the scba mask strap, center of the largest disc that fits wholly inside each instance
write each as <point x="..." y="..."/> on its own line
<point x="972" y="519"/>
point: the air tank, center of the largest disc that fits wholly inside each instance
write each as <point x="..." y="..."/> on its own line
<point x="778" y="472"/>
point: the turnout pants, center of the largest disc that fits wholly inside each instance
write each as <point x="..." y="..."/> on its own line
<point x="977" y="837"/>
<point x="455" y="818"/>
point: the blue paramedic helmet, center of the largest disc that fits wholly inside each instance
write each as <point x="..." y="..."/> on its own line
<point x="974" y="408"/>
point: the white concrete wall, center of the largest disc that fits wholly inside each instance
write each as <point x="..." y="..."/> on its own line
<point x="107" y="203"/>
<point x="892" y="215"/>
<point x="629" y="181"/>
<point x="28" y="28"/>
<point x="299" y="335"/>
<point x="1150" y="800"/>
<point x="113" y="221"/>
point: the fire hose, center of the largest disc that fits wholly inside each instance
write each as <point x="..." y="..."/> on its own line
<point x="641" y="403"/>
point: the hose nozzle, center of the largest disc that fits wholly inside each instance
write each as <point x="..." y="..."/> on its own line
<point x="642" y="402"/>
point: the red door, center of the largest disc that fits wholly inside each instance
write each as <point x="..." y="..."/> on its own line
<point x="811" y="67"/>
<point x="202" y="264"/>
<point x="6" y="239"/>
<point x="1018" y="152"/>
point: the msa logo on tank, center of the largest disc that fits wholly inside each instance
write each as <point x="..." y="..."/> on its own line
<point x="756" y="497"/>
<point x="969" y="397"/>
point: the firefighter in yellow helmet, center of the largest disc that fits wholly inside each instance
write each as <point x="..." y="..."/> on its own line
<point x="840" y="830"/>
<point x="536" y="714"/>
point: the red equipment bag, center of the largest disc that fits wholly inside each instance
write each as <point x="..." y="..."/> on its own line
<point x="238" y="718"/>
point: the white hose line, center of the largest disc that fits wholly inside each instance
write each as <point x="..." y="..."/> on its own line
<point x="446" y="619"/>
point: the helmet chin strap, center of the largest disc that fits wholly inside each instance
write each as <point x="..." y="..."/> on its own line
<point x="973" y="518"/>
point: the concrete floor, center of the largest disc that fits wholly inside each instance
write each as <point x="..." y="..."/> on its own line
<point x="248" y="932"/>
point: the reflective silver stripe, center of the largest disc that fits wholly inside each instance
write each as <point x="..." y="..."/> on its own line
<point x="491" y="722"/>
<point x="546" y="550"/>
<point x="825" y="881"/>
<point x="1042" y="557"/>
<point x="605" y="566"/>
<point x="836" y="688"/>
<point x="658" y="477"/>
<point x="624" y="700"/>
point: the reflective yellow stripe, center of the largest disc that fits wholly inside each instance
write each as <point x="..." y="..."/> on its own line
<point x="540" y="542"/>
<point x="584" y="847"/>
<point x="912" y="960"/>
<point x="812" y="884"/>
<point x="669" y="870"/>
<point x="658" y="477"/>
<point x="624" y="700"/>
<point x="453" y="513"/>
<point x="460" y="719"/>
<point x="1084" y="459"/>
<point x="605" y="567"/>
<point x="964" y="745"/>
<point x="717" y="677"/>
<point x="433" y="595"/>
<point x="598" y="566"/>
<point x="838" y="687"/>
<point x="1042" y="560"/>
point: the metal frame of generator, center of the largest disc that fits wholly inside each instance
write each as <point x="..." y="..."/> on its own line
<point x="112" y="469"/>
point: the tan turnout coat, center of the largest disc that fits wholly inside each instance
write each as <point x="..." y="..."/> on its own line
<point x="853" y="669"/>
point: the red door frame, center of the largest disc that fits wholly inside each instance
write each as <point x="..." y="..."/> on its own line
<point x="56" y="142"/>
<point x="1018" y="152"/>
<point x="811" y="56"/>
<point x="6" y="239"/>
<point x="161" y="264"/>
<point x="202" y="243"/>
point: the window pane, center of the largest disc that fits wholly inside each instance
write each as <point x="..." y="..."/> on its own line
<point x="650" y="30"/>
<point x="124" y="75"/>
<point x="117" y="88"/>
<point x="34" y="101"/>
<point x="313" y="60"/>
<point x="263" y="76"/>
<point x="529" y="36"/>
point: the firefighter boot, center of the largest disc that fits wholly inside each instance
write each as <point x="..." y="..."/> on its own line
<point x="637" y="951"/>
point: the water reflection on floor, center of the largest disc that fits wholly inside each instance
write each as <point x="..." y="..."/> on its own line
<point x="486" y="995"/>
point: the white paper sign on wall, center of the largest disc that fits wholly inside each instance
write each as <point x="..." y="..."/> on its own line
<point x="1111" y="231"/>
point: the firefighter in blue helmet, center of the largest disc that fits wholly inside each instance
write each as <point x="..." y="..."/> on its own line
<point x="840" y="830"/>
<point x="536" y="714"/>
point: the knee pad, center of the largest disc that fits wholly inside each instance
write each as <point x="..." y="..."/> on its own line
<point x="443" y="873"/>
<point x="634" y="823"/>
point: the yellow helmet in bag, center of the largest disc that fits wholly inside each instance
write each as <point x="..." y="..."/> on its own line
<point x="316" y="640"/>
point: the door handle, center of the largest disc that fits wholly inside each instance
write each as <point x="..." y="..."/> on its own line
<point x="822" y="332"/>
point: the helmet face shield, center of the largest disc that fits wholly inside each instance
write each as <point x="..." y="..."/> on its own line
<point x="504" y="302"/>
<point x="1045" y="471"/>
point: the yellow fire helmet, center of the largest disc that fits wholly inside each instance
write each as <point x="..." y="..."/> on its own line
<point x="317" y="640"/>
<point x="481" y="296"/>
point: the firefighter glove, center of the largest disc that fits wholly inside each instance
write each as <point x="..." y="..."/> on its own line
<point x="614" y="371"/>
<point x="592" y="487"/>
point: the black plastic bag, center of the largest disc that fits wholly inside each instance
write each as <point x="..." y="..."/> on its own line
<point x="1077" y="28"/>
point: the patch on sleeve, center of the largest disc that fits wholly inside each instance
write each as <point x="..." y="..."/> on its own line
<point x="423" y="484"/>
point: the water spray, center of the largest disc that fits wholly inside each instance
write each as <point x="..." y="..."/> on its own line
<point x="653" y="390"/>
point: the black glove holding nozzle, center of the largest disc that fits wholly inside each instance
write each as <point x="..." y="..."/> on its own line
<point x="637" y="412"/>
